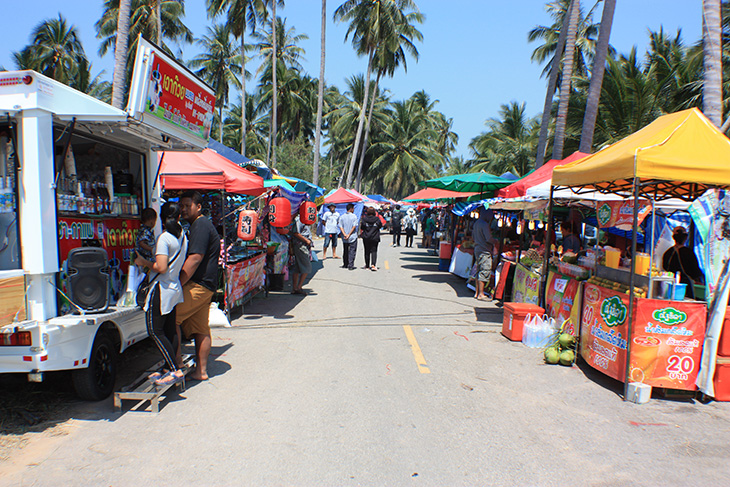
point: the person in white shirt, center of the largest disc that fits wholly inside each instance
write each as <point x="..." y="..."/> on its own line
<point x="348" y="227"/>
<point x="331" y="221"/>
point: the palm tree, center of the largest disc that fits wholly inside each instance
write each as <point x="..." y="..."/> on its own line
<point x="220" y="65"/>
<point x="509" y="144"/>
<point x="712" y="46"/>
<point x="121" y="53"/>
<point x="240" y="15"/>
<point x="320" y="95"/>
<point x="55" y="50"/>
<point x="274" y="106"/>
<point x="288" y="50"/>
<point x="565" y="83"/>
<point x="599" y="66"/>
<point x="257" y="127"/>
<point x="407" y="153"/>
<point x="297" y="95"/>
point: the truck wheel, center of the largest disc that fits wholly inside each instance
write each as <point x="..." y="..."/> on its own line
<point x="96" y="382"/>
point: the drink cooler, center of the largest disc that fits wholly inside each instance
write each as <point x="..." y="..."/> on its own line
<point x="513" y="319"/>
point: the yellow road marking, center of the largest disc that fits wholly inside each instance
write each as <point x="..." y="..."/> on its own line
<point x="386" y="265"/>
<point x="420" y="360"/>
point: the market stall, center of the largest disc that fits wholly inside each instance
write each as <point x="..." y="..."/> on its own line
<point x="655" y="342"/>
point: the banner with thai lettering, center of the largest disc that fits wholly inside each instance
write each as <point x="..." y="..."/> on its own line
<point x="666" y="343"/>
<point x="620" y="213"/>
<point x="563" y="300"/>
<point x="525" y="286"/>
<point x="173" y="96"/>
<point x="603" y="329"/>
<point x="117" y="235"/>
<point x="244" y="277"/>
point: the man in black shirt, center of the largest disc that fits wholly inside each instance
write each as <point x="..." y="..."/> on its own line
<point x="198" y="277"/>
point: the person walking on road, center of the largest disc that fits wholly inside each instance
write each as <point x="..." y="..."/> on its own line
<point x="198" y="277"/>
<point x="348" y="227"/>
<point x="395" y="222"/>
<point x="410" y="224"/>
<point x="301" y="245"/>
<point x="331" y="230"/>
<point x="484" y="246"/>
<point x="370" y="226"/>
<point x="170" y="251"/>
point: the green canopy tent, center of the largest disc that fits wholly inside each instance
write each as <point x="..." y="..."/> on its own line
<point x="476" y="182"/>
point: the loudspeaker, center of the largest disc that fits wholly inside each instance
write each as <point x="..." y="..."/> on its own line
<point x="88" y="278"/>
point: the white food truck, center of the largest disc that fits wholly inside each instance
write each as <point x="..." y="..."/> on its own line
<point x="75" y="175"/>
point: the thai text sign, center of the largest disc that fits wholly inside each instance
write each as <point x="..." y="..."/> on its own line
<point x="173" y="96"/>
<point x="666" y="343"/>
<point x="526" y="286"/>
<point x="620" y="213"/>
<point x="243" y="277"/>
<point x="603" y="330"/>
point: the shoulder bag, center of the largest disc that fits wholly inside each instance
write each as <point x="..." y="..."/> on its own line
<point x="146" y="285"/>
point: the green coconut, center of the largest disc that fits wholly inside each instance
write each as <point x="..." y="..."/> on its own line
<point x="567" y="357"/>
<point x="566" y="340"/>
<point x="552" y="355"/>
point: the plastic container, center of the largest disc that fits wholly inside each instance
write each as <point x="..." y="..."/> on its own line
<point x="642" y="263"/>
<point x="445" y="250"/>
<point x="613" y="257"/>
<point x="444" y="264"/>
<point x="679" y="291"/>
<point x="514" y="319"/>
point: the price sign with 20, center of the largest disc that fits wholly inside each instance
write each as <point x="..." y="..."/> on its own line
<point x="680" y="367"/>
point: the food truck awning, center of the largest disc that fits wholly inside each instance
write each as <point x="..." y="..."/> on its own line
<point x="206" y="170"/>
<point x="678" y="155"/>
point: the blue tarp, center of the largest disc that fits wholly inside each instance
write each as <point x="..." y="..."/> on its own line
<point x="379" y="198"/>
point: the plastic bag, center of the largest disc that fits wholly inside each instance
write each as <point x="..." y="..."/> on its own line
<point x="314" y="257"/>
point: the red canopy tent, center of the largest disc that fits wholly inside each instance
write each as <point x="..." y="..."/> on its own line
<point x="539" y="175"/>
<point x="432" y="194"/>
<point x="207" y="170"/>
<point x="342" y="195"/>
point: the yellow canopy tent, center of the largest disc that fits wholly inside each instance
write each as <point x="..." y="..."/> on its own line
<point x="678" y="155"/>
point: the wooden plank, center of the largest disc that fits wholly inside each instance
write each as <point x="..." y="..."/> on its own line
<point x="12" y="299"/>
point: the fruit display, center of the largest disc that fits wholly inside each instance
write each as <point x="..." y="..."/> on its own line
<point x="561" y="349"/>
<point x="617" y="286"/>
<point x="531" y="258"/>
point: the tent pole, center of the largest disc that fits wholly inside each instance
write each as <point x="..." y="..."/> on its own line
<point x="546" y="257"/>
<point x="650" y="293"/>
<point x="632" y="281"/>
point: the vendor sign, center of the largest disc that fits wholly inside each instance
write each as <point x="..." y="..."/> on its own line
<point x="603" y="330"/>
<point x="666" y="343"/>
<point x="620" y="213"/>
<point x="244" y="277"/>
<point x="526" y="286"/>
<point x="563" y="300"/>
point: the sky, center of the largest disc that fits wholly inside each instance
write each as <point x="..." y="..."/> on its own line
<point x="474" y="57"/>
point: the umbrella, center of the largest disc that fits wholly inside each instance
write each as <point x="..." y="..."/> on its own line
<point x="476" y="182"/>
<point x="433" y="194"/>
<point x="282" y="183"/>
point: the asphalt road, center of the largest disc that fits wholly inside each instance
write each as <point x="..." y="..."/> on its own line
<point x="395" y="377"/>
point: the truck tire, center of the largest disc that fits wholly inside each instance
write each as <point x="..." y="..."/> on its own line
<point x="96" y="382"/>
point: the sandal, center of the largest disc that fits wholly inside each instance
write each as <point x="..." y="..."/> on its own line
<point x="154" y="376"/>
<point x="170" y="378"/>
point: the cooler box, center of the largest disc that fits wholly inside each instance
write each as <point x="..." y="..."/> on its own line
<point x="723" y="348"/>
<point x="445" y="250"/>
<point x="444" y="264"/>
<point x="514" y="318"/>
<point x="722" y="382"/>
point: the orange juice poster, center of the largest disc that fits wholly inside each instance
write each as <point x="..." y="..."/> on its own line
<point x="603" y="330"/>
<point x="666" y="343"/>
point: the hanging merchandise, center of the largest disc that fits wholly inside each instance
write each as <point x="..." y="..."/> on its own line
<point x="308" y="213"/>
<point x="247" y="222"/>
<point x="280" y="212"/>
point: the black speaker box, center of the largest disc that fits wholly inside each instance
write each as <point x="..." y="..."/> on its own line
<point x="88" y="278"/>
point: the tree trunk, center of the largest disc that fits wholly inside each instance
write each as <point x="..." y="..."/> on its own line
<point x="273" y="83"/>
<point x="562" y="117"/>
<point x="320" y="97"/>
<point x="599" y="67"/>
<point x="120" y="53"/>
<point x="712" y="49"/>
<point x="243" y="88"/>
<point x="552" y="83"/>
<point x="360" y="123"/>
<point x="158" y="12"/>
<point x="220" y="123"/>
<point x="344" y="170"/>
<point x="367" y="134"/>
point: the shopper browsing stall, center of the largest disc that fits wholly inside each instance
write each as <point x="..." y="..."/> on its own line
<point x="484" y="246"/>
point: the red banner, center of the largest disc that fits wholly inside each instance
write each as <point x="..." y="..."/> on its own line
<point x="666" y="344"/>
<point x="564" y="300"/>
<point x="174" y="97"/>
<point x="243" y="277"/>
<point x="620" y="213"/>
<point x="603" y="330"/>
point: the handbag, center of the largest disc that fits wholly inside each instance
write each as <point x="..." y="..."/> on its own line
<point x="146" y="285"/>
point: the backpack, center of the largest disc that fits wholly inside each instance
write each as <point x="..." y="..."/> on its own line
<point x="396" y="219"/>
